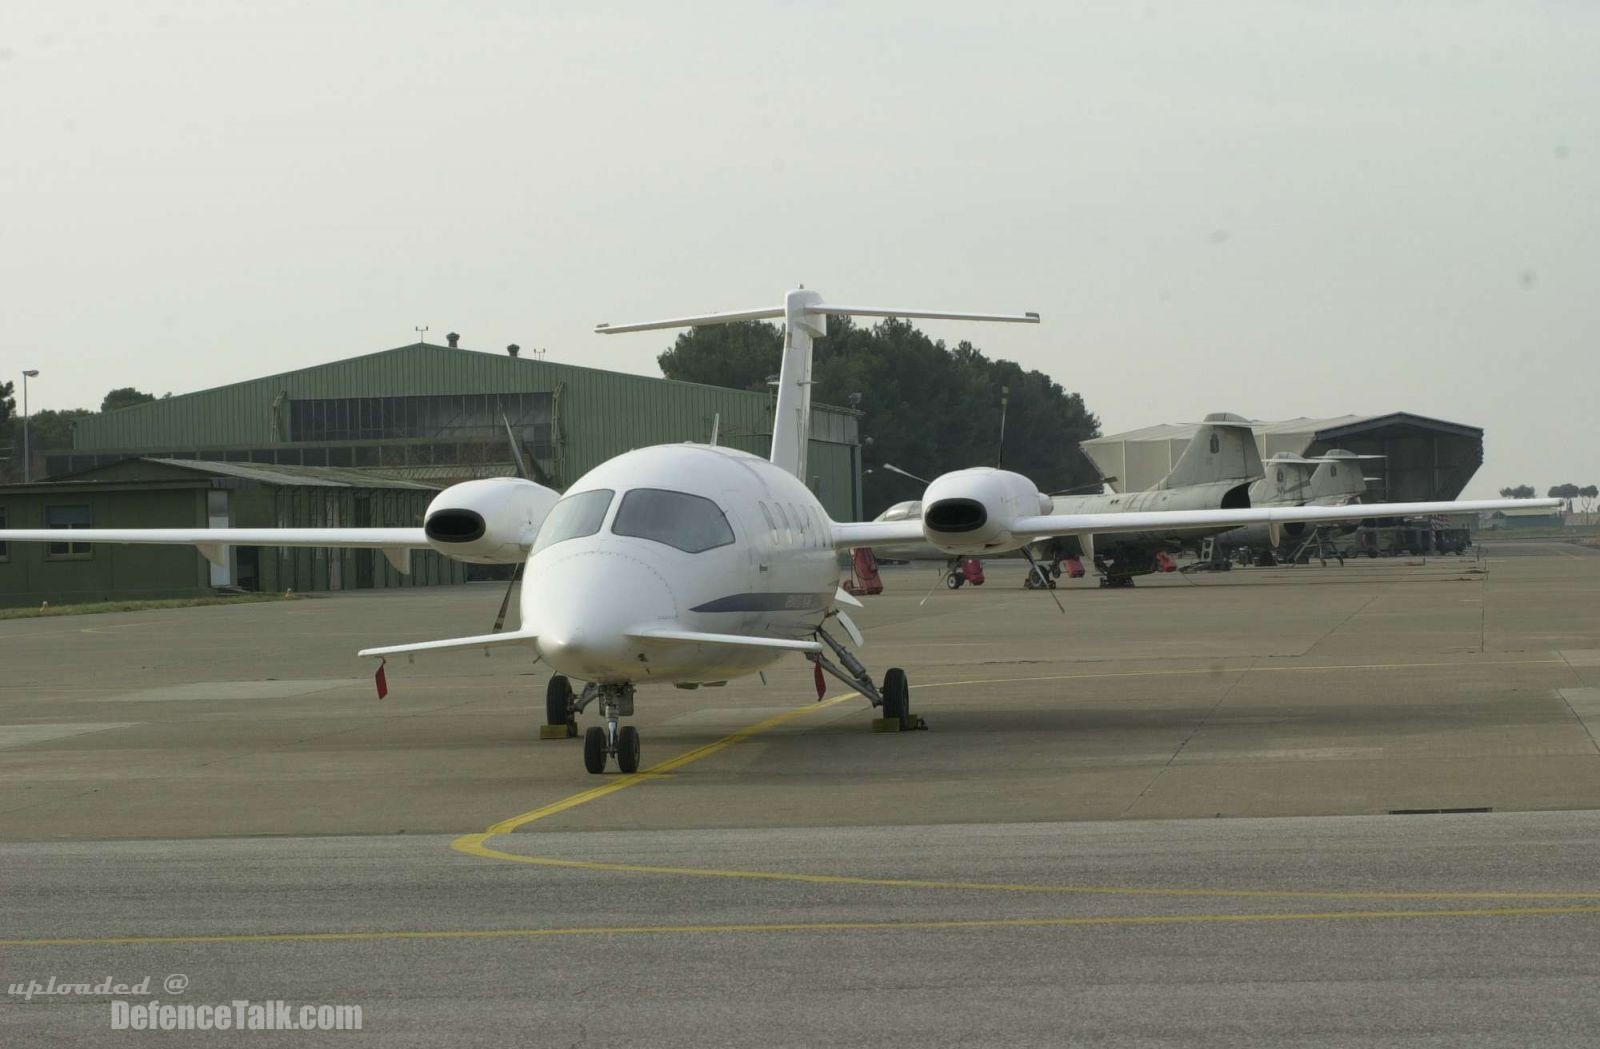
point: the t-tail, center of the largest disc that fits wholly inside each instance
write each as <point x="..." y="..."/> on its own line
<point x="805" y="319"/>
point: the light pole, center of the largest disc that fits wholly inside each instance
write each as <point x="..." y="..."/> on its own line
<point x="27" y="459"/>
<point x="1000" y="454"/>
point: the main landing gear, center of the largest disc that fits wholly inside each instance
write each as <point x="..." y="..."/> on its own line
<point x="892" y="698"/>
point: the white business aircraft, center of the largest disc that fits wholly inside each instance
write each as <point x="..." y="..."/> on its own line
<point x="692" y="564"/>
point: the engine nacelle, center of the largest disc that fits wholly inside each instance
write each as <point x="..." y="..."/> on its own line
<point x="492" y="521"/>
<point x="971" y="511"/>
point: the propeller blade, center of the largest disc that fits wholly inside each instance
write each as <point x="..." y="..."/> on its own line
<point x="1044" y="580"/>
<point x="850" y="628"/>
<point x="516" y="452"/>
<point x="505" y="602"/>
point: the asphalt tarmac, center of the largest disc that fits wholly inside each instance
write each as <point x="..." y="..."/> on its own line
<point x="217" y="793"/>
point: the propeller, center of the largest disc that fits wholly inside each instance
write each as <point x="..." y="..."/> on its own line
<point x="904" y="473"/>
<point x="1044" y="580"/>
<point x="516" y="573"/>
<point x="505" y="602"/>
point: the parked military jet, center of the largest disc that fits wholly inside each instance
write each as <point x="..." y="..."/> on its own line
<point x="1331" y="479"/>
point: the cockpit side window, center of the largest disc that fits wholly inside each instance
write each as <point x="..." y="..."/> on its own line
<point x="688" y="522"/>
<point x="579" y="514"/>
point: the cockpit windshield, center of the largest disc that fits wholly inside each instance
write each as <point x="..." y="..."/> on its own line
<point x="579" y="514"/>
<point x="688" y="522"/>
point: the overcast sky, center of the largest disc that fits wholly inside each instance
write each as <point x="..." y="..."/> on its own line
<point x="1275" y="209"/>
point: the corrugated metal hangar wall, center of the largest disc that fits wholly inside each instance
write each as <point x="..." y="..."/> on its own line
<point x="435" y="413"/>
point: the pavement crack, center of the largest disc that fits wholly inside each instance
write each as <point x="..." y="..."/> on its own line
<point x="1193" y="732"/>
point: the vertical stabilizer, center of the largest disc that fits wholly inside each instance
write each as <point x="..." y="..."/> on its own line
<point x="791" y="419"/>
<point x="1339" y="477"/>
<point x="1222" y="449"/>
<point x="805" y="318"/>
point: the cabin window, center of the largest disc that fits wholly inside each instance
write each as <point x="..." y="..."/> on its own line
<point x="74" y="515"/>
<point x="772" y="526"/>
<point x="788" y="526"/>
<point x="578" y="515"/>
<point x="690" y="523"/>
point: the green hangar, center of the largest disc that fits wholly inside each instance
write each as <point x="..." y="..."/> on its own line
<point x="362" y="441"/>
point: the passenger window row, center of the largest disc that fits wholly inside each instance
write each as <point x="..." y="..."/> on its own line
<point x="793" y="525"/>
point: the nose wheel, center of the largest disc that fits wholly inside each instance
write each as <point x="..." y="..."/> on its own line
<point x="602" y="742"/>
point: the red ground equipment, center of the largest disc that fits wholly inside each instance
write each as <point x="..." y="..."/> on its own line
<point x="972" y="569"/>
<point x="863" y="577"/>
<point x="1164" y="562"/>
<point x="1074" y="567"/>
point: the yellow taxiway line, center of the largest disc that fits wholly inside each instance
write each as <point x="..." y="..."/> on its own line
<point x="478" y="844"/>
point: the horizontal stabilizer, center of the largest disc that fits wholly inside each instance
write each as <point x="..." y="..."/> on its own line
<point x="480" y="641"/>
<point x="740" y="640"/>
<point x="725" y="317"/>
<point x="831" y="310"/>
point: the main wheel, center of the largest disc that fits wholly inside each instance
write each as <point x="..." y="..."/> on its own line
<point x="952" y="581"/>
<point x="897" y="697"/>
<point x="628" y="749"/>
<point x="558" y="700"/>
<point x="594" y="749"/>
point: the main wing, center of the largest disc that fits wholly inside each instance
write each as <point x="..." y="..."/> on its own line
<point x="396" y="543"/>
<point x="1045" y="525"/>
<point x="1026" y="529"/>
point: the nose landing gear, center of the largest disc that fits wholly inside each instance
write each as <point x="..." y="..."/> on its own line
<point x="601" y="743"/>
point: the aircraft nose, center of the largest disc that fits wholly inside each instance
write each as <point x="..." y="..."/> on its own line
<point x="583" y="606"/>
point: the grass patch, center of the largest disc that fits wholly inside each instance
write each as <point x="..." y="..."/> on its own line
<point x="93" y="607"/>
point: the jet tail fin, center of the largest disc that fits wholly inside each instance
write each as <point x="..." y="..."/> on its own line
<point x="1222" y="449"/>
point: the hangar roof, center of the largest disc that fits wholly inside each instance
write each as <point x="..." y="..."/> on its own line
<point x="261" y="473"/>
<point x="1320" y="428"/>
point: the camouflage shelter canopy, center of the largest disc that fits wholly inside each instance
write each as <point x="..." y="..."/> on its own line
<point x="1423" y="458"/>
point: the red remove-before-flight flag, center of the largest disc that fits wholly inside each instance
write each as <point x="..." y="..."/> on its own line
<point x="382" y="681"/>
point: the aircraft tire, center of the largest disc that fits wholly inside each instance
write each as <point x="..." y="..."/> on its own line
<point x="897" y="696"/>
<point x="594" y="749"/>
<point x="952" y="581"/>
<point x="628" y="749"/>
<point x="557" y="697"/>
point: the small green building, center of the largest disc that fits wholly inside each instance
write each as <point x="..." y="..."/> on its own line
<point x="364" y="441"/>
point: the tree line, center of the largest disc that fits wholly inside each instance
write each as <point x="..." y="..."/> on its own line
<point x="49" y="429"/>
<point x="1568" y="493"/>
<point x="926" y="407"/>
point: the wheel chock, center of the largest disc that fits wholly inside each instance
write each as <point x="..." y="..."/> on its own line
<point x="893" y="724"/>
<point x="567" y="731"/>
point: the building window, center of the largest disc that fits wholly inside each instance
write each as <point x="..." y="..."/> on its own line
<point x="5" y="548"/>
<point x="73" y="515"/>
<point x="451" y="417"/>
